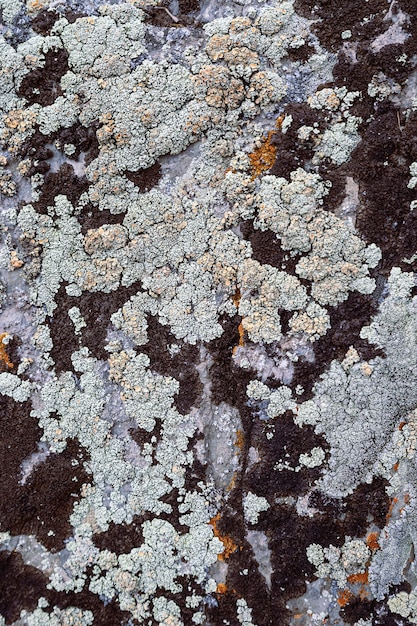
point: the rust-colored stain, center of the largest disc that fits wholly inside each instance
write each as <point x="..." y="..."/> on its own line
<point x="232" y="483"/>
<point x="401" y="425"/>
<point x="221" y="588"/>
<point x="263" y="158"/>
<point x="345" y="596"/>
<point x="4" y="357"/>
<point x="395" y="467"/>
<point x="229" y="545"/>
<point x="393" y="502"/>
<point x="241" y="334"/>
<point x="241" y="343"/>
<point x="236" y="297"/>
<point x="361" y="578"/>
<point x="372" y="541"/>
<point x="279" y="121"/>
<point x="240" y="439"/>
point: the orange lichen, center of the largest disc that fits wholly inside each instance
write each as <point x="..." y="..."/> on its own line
<point x="236" y="297"/>
<point x="240" y="439"/>
<point x="279" y="121"/>
<point x="4" y="357"/>
<point x="395" y="467"/>
<point x="344" y="597"/>
<point x="372" y="541"/>
<point x="263" y="158"/>
<point x="393" y="502"/>
<point x="232" y="482"/>
<point x="221" y="588"/>
<point x="361" y="578"/>
<point x="241" y="334"/>
<point x="229" y="545"/>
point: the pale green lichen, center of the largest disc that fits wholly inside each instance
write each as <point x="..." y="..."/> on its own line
<point x="12" y="386"/>
<point x="314" y="458"/>
<point x="405" y="604"/>
<point x="244" y="613"/>
<point x="253" y="505"/>
<point x="357" y="409"/>
<point x="339" y="563"/>
<point x="58" y="617"/>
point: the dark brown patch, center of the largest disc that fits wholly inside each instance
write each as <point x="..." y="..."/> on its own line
<point x="228" y="381"/>
<point x="302" y="53"/>
<point x="121" y="538"/>
<point x="43" y="504"/>
<point x="50" y="493"/>
<point x="21" y="586"/>
<point x="187" y="6"/>
<point x="96" y="308"/>
<point x="36" y="148"/>
<point x="171" y="498"/>
<point x="194" y="473"/>
<point x="91" y="218"/>
<point x="291" y="152"/>
<point x="44" y="20"/>
<point x="346" y="322"/>
<point x="367" y="501"/>
<point x="266" y="247"/>
<point x="42" y="85"/>
<point x="72" y="16"/>
<point x="286" y="445"/>
<point x="333" y="17"/>
<point x="180" y="366"/>
<point x="145" y="179"/>
<point x="157" y="16"/>
<point x="104" y="612"/>
<point x="20" y="434"/>
<point x="141" y="436"/>
<point x="64" y="340"/>
<point x="376" y="611"/>
<point x="64" y="182"/>
<point x="358" y="609"/>
<point x="84" y="139"/>
<point x="384" y="216"/>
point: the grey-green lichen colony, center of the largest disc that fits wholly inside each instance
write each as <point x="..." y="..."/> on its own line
<point x="208" y="313"/>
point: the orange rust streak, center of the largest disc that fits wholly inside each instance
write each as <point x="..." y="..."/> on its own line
<point x="361" y="578"/>
<point x="263" y="158"/>
<point x="395" y="467"/>
<point x="3" y="354"/>
<point x="240" y="439"/>
<point x="372" y="541"/>
<point x="401" y="425"/>
<point x="241" y="343"/>
<point x="345" y="597"/>
<point x="221" y="588"/>
<point x="229" y="545"/>
<point x="391" y="508"/>
<point x="236" y="297"/>
<point x="241" y="334"/>
<point x="232" y="482"/>
<point x="278" y="123"/>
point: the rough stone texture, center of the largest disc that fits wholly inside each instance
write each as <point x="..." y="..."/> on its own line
<point x="208" y="336"/>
